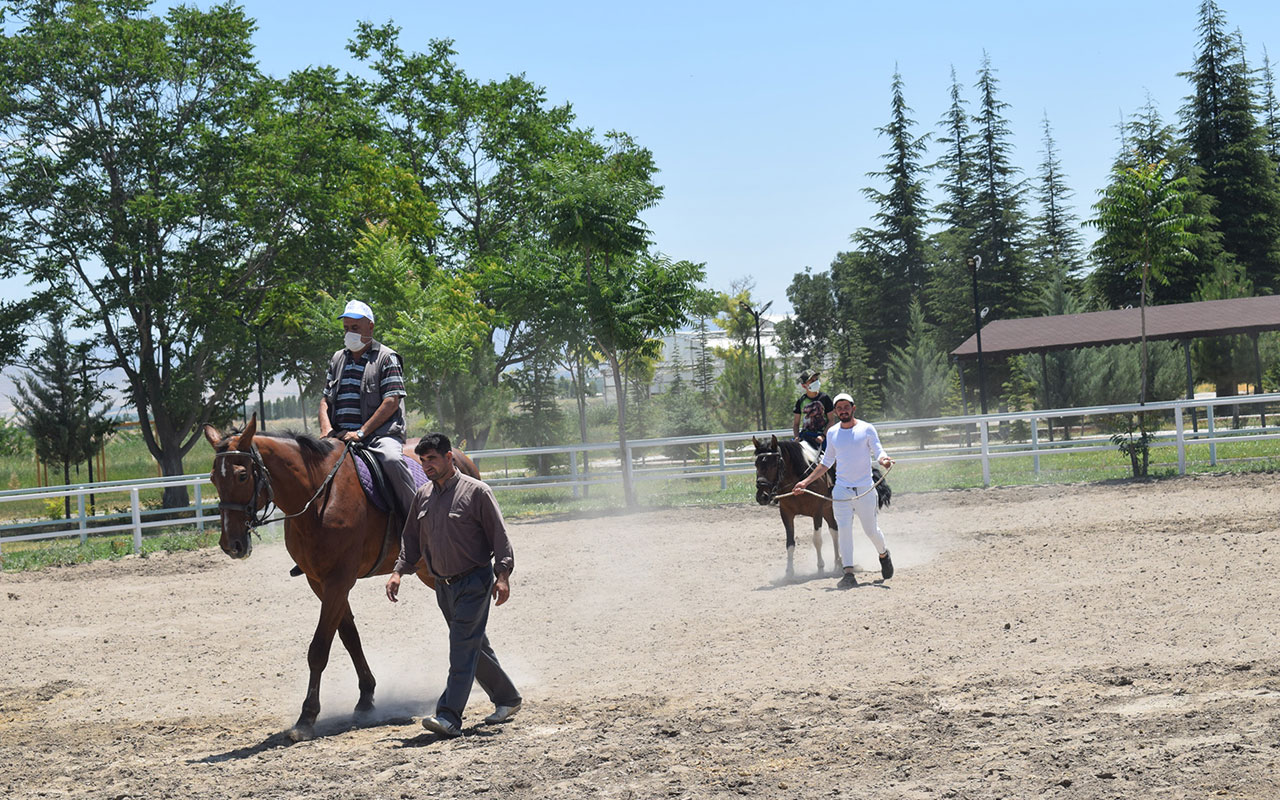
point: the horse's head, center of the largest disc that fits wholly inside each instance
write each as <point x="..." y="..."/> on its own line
<point x="769" y="469"/>
<point x="243" y="484"/>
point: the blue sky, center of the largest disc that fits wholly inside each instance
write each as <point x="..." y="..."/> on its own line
<point x="762" y="117"/>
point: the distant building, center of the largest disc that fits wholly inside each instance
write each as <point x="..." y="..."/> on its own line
<point x="686" y="344"/>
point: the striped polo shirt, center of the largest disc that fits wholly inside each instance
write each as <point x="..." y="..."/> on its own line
<point x="346" y="411"/>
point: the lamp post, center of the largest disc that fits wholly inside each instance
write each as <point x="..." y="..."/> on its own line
<point x="759" y="355"/>
<point x="975" y="264"/>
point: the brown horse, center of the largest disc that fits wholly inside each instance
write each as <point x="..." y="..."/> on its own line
<point x="334" y="534"/>
<point x="779" y="465"/>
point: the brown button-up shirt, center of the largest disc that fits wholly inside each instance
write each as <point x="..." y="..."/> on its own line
<point x="454" y="528"/>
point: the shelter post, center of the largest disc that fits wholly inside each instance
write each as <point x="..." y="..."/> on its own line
<point x="1257" y="385"/>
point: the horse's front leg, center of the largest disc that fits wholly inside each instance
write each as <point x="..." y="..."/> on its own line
<point x="351" y="640"/>
<point x="789" y="522"/>
<point x="333" y="608"/>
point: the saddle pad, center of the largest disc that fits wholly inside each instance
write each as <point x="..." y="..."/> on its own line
<point x="366" y="481"/>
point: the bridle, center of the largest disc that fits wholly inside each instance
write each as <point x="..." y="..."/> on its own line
<point x="257" y="516"/>
<point x="775" y="455"/>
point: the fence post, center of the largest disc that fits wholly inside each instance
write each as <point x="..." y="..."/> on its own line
<point x="137" y="521"/>
<point x="573" y="471"/>
<point x="200" y="511"/>
<point x="724" y="479"/>
<point x="1213" y="445"/>
<point x="1035" y="444"/>
<point x="986" y="454"/>
<point x="1182" y="440"/>
<point x="84" y="525"/>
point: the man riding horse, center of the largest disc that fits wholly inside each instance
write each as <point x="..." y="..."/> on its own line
<point x="363" y="400"/>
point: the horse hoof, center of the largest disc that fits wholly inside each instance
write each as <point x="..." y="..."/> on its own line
<point x="299" y="733"/>
<point x="364" y="708"/>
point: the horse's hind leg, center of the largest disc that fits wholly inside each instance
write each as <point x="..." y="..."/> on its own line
<point x="817" y="541"/>
<point x="351" y="640"/>
<point x="829" y="514"/>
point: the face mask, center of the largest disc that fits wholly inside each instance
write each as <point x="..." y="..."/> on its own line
<point x="353" y="341"/>
<point x="815" y="386"/>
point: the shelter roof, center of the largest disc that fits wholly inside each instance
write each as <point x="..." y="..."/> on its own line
<point x="1241" y="315"/>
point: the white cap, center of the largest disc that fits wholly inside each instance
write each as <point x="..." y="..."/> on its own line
<point x="356" y="309"/>
<point x="842" y="396"/>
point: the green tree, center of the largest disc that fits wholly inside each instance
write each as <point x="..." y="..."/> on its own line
<point x="159" y="183"/>
<point x="999" y="226"/>
<point x="1146" y="139"/>
<point x="806" y="334"/>
<point x="1143" y="223"/>
<point x="59" y="409"/>
<point x="1229" y="146"/>
<point x="895" y="247"/>
<point x="1225" y="360"/>
<point x="1064" y="378"/>
<point x="622" y="296"/>
<point x="1057" y="242"/>
<point x="919" y="379"/>
<point x="477" y="149"/>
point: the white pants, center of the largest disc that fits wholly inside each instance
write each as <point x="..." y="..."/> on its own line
<point x="865" y="509"/>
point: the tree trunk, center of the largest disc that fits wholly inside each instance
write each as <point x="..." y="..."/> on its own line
<point x="170" y="461"/>
<point x="627" y="489"/>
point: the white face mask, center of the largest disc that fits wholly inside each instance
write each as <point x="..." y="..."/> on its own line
<point x="353" y="341"/>
<point x="815" y="386"/>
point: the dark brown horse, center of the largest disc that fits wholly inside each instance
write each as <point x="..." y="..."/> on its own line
<point x="778" y="466"/>
<point x="334" y="534"/>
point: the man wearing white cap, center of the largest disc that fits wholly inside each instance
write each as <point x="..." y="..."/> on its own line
<point x="851" y="446"/>
<point x="363" y="399"/>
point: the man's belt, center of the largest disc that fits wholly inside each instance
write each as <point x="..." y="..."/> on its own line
<point x="452" y="579"/>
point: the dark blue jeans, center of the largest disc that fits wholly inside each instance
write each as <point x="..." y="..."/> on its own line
<point x="465" y="605"/>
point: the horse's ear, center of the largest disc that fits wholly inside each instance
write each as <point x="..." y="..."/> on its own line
<point x="773" y="442"/>
<point x="755" y="442"/>
<point x="246" y="436"/>
<point x="212" y="436"/>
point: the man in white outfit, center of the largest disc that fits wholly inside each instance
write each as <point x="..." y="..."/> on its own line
<point x="851" y="446"/>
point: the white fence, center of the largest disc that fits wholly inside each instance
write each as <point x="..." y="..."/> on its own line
<point x="963" y="438"/>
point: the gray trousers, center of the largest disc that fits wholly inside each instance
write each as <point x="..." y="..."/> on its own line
<point x="389" y="451"/>
<point x="465" y="605"/>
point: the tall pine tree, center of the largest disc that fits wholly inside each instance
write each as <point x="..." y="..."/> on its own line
<point x="1229" y="146"/>
<point x="895" y="248"/>
<point x="1058" y="244"/>
<point x="998" y="221"/>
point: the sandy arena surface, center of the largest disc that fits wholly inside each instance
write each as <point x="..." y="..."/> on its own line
<point x="1087" y="641"/>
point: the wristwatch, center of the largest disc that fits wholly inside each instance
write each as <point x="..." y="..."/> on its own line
<point x="359" y="433"/>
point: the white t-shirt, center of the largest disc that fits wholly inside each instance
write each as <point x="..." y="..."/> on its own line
<point x="852" y="450"/>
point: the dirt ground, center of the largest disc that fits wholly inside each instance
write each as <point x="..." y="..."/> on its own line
<point x="1084" y="641"/>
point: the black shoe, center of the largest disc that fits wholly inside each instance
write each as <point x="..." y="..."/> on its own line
<point x="295" y="572"/>
<point x="886" y="566"/>
<point x="847" y="582"/>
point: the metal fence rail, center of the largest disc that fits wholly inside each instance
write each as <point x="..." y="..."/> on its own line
<point x="599" y="464"/>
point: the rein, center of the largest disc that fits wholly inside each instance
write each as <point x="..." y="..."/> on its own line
<point x="257" y="517"/>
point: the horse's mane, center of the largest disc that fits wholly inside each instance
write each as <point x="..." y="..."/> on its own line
<point x="312" y="449"/>
<point x="797" y="455"/>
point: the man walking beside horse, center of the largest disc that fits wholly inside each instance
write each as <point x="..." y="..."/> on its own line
<point x="851" y="446"/>
<point x="455" y="526"/>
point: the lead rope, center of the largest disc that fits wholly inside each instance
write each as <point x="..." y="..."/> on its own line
<point x="883" y="475"/>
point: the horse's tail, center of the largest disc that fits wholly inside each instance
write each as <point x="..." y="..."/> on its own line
<point x="884" y="494"/>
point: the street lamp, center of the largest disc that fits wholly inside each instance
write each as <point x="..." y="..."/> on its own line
<point x="759" y="355"/>
<point x="975" y="264"/>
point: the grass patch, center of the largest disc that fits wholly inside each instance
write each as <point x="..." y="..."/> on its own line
<point x="23" y="556"/>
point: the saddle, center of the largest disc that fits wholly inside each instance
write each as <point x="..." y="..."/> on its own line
<point x="375" y="484"/>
